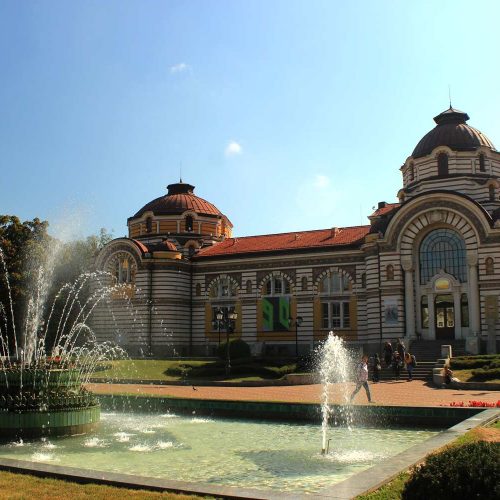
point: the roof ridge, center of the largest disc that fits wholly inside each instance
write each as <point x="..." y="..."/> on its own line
<point x="298" y="232"/>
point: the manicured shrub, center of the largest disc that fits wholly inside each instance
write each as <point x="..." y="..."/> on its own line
<point x="237" y="349"/>
<point x="463" y="472"/>
<point x="486" y="374"/>
<point x="480" y="361"/>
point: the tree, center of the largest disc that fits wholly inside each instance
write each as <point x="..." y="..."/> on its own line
<point x="23" y="248"/>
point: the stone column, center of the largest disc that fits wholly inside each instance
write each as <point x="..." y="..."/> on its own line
<point x="475" y="313"/>
<point x="407" y="264"/>
<point x="432" y="316"/>
<point x="458" y="314"/>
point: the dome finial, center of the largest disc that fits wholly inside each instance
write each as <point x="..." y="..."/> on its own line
<point x="180" y="172"/>
<point x="449" y="94"/>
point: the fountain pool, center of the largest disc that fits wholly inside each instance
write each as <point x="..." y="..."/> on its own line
<point x="225" y="452"/>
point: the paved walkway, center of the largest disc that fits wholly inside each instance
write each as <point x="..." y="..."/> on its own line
<point x="387" y="393"/>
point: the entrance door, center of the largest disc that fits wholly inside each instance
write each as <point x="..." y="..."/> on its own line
<point x="445" y="317"/>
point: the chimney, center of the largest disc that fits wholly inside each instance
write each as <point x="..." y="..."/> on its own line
<point x="382" y="204"/>
<point x="335" y="231"/>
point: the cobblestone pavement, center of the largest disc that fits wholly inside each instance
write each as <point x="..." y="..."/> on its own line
<point x="387" y="393"/>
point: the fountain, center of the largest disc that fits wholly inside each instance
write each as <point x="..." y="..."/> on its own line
<point x="43" y="371"/>
<point x="334" y="368"/>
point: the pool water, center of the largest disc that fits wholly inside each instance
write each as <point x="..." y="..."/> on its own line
<point x="240" y="453"/>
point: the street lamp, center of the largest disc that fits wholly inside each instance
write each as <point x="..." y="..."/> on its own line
<point x="297" y="322"/>
<point x="230" y="322"/>
<point x="219" y="320"/>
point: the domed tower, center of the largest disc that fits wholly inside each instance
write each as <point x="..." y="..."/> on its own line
<point x="180" y="217"/>
<point x="454" y="156"/>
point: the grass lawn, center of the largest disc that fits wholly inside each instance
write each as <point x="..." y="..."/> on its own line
<point x="142" y="369"/>
<point x="25" y="487"/>
<point x="152" y="369"/>
<point x="466" y="376"/>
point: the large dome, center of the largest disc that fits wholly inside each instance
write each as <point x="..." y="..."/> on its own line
<point x="179" y="199"/>
<point x="452" y="131"/>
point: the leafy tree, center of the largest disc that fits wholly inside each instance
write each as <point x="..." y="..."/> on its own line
<point x="23" y="248"/>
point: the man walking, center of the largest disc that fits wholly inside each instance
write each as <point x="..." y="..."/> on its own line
<point x="362" y="378"/>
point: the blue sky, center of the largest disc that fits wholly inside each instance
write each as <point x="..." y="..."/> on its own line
<point x="287" y="115"/>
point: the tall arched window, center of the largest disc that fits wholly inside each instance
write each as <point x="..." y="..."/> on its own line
<point x="277" y="285"/>
<point x="492" y="193"/>
<point x="222" y="293"/>
<point x="412" y="172"/>
<point x="335" y="291"/>
<point x="149" y="224"/>
<point x="442" y="164"/>
<point x="123" y="268"/>
<point x="482" y="163"/>
<point x="490" y="267"/>
<point x="304" y="283"/>
<point x="442" y="249"/>
<point x="188" y="223"/>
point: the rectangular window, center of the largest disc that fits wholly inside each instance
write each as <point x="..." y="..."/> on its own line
<point x="325" y="320"/>
<point x="335" y="314"/>
<point x="346" y="319"/>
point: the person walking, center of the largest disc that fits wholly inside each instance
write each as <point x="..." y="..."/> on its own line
<point x="388" y="354"/>
<point x="401" y="348"/>
<point x="377" y="367"/>
<point x="396" y="364"/>
<point x="362" y="378"/>
<point x="410" y="363"/>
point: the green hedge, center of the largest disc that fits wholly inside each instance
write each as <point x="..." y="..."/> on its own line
<point x="470" y="362"/>
<point x="239" y="366"/>
<point x="237" y="349"/>
<point x="462" y="472"/>
<point x="486" y="374"/>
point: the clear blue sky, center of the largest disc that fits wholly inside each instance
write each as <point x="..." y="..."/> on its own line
<point x="287" y="115"/>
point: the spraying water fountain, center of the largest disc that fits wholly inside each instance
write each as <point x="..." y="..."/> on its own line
<point x="334" y="368"/>
<point x="43" y="368"/>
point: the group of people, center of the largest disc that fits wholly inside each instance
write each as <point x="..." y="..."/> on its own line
<point x="396" y="358"/>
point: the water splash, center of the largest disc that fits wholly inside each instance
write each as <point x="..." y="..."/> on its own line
<point x="334" y="369"/>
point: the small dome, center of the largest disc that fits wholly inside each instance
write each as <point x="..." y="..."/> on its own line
<point x="179" y="199"/>
<point x="452" y="131"/>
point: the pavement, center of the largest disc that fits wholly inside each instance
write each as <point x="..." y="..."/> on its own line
<point x="386" y="393"/>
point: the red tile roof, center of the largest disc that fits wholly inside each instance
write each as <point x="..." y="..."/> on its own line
<point x="385" y="210"/>
<point x="304" y="240"/>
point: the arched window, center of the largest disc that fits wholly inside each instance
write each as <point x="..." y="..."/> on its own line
<point x="492" y="193"/>
<point x="304" y="284"/>
<point x="123" y="268"/>
<point x="249" y="286"/>
<point x="198" y="289"/>
<point x="411" y="172"/>
<point x="222" y="293"/>
<point x="482" y="163"/>
<point x="363" y="280"/>
<point x="188" y="224"/>
<point x="442" y="250"/>
<point x="490" y="267"/>
<point x="389" y="272"/>
<point x="149" y="224"/>
<point x="442" y="164"/>
<point x="335" y="289"/>
<point x="276" y="285"/>
<point x="335" y="283"/>
<point x="223" y="288"/>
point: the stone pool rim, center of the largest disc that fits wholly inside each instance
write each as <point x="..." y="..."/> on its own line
<point x="362" y="482"/>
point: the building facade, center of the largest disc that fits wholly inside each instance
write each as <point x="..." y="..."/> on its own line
<point x="425" y="267"/>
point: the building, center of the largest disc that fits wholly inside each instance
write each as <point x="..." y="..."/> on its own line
<point x="425" y="267"/>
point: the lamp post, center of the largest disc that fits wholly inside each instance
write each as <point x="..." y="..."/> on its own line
<point x="297" y="322"/>
<point x="230" y="321"/>
<point x="219" y="320"/>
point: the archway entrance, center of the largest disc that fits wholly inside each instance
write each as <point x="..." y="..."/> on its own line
<point x="445" y="316"/>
